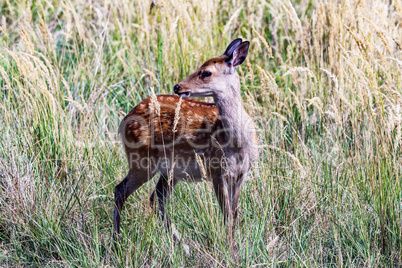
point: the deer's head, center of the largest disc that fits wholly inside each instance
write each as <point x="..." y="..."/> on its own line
<point x="217" y="77"/>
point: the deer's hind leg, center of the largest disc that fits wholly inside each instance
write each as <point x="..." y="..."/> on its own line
<point x="163" y="189"/>
<point x="134" y="179"/>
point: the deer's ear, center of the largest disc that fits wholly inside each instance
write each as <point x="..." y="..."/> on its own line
<point x="239" y="54"/>
<point x="231" y="47"/>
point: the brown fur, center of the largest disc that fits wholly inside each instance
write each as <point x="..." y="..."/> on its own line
<point x="194" y="115"/>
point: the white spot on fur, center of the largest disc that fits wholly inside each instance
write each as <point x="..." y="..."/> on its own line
<point x="189" y="136"/>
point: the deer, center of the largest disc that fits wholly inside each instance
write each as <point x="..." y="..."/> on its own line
<point x="184" y="139"/>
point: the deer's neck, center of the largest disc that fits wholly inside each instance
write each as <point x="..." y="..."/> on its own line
<point x="239" y="131"/>
<point x="236" y="122"/>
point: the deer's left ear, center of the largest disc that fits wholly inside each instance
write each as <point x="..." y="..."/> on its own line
<point x="239" y="54"/>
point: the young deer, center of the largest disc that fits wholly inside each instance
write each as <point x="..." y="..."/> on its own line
<point x="185" y="139"/>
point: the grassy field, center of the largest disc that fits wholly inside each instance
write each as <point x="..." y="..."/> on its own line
<point x="323" y="81"/>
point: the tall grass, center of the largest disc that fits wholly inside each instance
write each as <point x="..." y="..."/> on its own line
<point x="323" y="80"/>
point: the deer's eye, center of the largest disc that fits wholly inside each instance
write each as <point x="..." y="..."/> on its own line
<point x="205" y="74"/>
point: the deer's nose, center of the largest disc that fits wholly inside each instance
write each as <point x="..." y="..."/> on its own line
<point x="176" y="88"/>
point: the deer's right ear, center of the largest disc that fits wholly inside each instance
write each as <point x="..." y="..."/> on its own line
<point x="239" y="54"/>
<point x="231" y="47"/>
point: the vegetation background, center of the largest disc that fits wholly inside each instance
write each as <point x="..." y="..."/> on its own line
<point x="323" y="80"/>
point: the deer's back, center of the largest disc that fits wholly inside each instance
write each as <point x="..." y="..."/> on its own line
<point x="164" y="123"/>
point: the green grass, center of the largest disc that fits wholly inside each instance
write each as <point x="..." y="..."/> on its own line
<point x="326" y="190"/>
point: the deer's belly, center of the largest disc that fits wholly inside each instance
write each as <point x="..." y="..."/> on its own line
<point x="195" y="167"/>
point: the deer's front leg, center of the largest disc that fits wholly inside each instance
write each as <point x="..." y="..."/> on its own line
<point x="235" y="194"/>
<point x="222" y="194"/>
